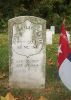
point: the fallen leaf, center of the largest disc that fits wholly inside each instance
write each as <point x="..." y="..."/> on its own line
<point x="9" y="96"/>
<point x="3" y="98"/>
<point x="51" y="63"/>
<point x="29" y="97"/>
<point x="42" y="98"/>
<point x="2" y="76"/>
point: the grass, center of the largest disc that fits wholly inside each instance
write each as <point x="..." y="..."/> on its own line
<point x="54" y="90"/>
<point x="4" y="53"/>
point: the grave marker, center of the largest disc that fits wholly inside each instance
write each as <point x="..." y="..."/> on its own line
<point x="27" y="57"/>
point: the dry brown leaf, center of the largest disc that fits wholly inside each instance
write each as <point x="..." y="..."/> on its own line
<point x="2" y="76"/>
<point x="42" y="98"/>
<point x="51" y="63"/>
<point x="9" y="96"/>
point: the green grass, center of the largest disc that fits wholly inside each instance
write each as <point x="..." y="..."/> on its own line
<point x="4" y="58"/>
<point x="54" y="90"/>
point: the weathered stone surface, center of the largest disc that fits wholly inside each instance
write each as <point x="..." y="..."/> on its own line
<point x="27" y="57"/>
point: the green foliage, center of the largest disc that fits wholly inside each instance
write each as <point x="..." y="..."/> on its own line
<point x="53" y="11"/>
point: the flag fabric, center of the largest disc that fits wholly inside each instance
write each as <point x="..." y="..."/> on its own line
<point x="64" y="58"/>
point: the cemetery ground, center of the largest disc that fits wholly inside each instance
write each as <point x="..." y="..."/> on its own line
<point x="54" y="90"/>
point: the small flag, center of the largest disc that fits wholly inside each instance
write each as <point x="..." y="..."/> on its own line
<point x="64" y="58"/>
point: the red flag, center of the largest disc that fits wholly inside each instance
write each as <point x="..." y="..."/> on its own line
<point x="64" y="48"/>
<point x="64" y="59"/>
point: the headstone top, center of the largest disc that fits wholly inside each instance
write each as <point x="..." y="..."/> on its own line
<point x="23" y="18"/>
<point x="52" y="28"/>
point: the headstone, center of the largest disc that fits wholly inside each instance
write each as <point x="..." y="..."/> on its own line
<point x="52" y="28"/>
<point x="27" y="52"/>
<point x="48" y="36"/>
<point x="68" y="35"/>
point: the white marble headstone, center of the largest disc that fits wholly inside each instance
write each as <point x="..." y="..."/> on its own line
<point x="48" y="36"/>
<point x="27" y="52"/>
<point x="52" y="28"/>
